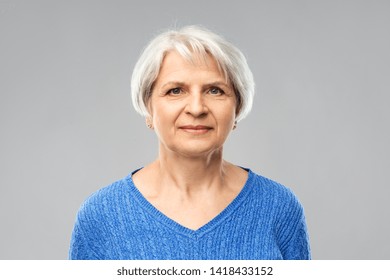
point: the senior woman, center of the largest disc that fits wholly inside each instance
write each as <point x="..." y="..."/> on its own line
<point x="192" y="87"/>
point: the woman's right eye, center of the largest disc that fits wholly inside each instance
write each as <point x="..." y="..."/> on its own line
<point x="174" y="91"/>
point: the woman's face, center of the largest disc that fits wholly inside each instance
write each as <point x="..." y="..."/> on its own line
<point x="192" y="106"/>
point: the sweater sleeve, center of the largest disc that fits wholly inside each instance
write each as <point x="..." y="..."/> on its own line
<point x="297" y="247"/>
<point x="294" y="239"/>
<point x="81" y="244"/>
<point x="78" y="247"/>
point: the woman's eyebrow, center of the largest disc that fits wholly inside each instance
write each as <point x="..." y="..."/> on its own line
<point x="216" y="83"/>
<point x="173" y="84"/>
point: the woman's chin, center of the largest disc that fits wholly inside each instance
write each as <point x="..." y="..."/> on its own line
<point x="197" y="151"/>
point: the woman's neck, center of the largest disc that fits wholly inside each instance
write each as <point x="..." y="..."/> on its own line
<point x="191" y="174"/>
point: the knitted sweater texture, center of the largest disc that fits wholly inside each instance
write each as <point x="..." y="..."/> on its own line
<point x="265" y="221"/>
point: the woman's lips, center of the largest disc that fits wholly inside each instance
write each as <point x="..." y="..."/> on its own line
<point x="196" y="129"/>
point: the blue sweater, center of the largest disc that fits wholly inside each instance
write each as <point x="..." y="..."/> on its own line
<point x="265" y="221"/>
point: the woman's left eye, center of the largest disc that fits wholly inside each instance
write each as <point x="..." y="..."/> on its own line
<point x="216" y="91"/>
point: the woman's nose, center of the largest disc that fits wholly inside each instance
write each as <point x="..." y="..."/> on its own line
<point x="196" y="105"/>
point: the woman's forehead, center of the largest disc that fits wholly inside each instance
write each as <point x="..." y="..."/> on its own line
<point x="174" y="61"/>
<point x="175" y="66"/>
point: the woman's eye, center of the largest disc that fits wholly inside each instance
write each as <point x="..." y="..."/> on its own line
<point x="216" y="91"/>
<point x="174" y="91"/>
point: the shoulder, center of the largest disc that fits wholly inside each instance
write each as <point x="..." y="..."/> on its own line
<point x="105" y="194"/>
<point x="274" y="195"/>
<point x="104" y="200"/>
<point x="268" y="186"/>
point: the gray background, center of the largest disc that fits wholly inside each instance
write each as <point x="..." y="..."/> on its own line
<point x="319" y="125"/>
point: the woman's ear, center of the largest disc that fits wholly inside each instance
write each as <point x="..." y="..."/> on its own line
<point x="149" y="122"/>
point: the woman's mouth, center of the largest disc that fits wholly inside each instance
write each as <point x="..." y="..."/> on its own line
<point x="196" y="129"/>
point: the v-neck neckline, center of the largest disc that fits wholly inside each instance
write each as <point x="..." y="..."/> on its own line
<point x="177" y="227"/>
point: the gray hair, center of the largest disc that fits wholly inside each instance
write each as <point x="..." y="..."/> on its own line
<point x="189" y="41"/>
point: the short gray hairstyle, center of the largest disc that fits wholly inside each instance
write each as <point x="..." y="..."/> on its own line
<point x="189" y="41"/>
